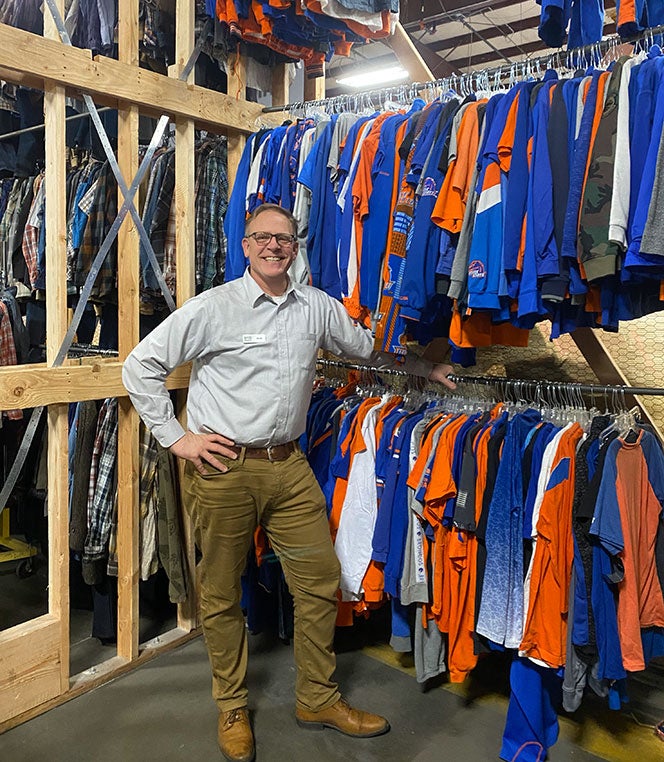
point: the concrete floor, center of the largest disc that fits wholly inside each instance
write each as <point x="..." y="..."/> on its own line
<point x="163" y="711"/>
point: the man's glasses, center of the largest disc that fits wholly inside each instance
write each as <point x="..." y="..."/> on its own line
<point x="262" y="238"/>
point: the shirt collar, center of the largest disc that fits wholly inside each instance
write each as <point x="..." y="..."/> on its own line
<point x="255" y="293"/>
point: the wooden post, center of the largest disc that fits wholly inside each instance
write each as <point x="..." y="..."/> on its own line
<point x="408" y="56"/>
<point x="280" y="85"/>
<point x="128" y="467"/>
<point x="56" y="327"/>
<point x="314" y="89"/>
<point x="185" y="252"/>
<point x="237" y="78"/>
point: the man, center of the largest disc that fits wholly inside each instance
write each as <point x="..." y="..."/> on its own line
<point x="254" y="343"/>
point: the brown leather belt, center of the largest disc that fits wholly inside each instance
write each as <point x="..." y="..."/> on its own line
<point x="275" y="452"/>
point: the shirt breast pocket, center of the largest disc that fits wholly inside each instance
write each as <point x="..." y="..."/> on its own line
<point x="304" y="349"/>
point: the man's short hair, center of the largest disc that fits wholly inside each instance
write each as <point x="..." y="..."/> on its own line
<point x="271" y="208"/>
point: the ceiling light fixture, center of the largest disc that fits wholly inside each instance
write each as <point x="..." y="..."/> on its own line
<point x="375" y="77"/>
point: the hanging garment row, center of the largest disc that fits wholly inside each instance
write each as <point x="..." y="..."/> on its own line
<point x="93" y="499"/>
<point x="582" y="21"/>
<point x="477" y="218"/>
<point x="211" y="200"/>
<point x="270" y="33"/>
<point x="498" y="526"/>
<point x="92" y="24"/>
<point x="91" y="210"/>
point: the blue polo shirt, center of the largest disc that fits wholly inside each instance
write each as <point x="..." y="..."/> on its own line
<point x="321" y="239"/>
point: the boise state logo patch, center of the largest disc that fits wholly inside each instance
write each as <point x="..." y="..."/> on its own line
<point x="429" y="187"/>
<point x="476" y="269"/>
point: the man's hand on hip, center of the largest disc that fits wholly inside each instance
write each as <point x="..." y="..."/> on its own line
<point x="203" y="448"/>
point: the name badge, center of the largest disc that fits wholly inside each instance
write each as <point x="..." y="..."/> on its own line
<point x="254" y="338"/>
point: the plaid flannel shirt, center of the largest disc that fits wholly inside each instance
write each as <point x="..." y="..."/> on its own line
<point x="31" y="233"/>
<point x="149" y="283"/>
<point x="200" y="205"/>
<point x="148" y="497"/>
<point x="102" y="213"/>
<point x="6" y="268"/>
<point x="170" y="250"/>
<point x="7" y="350"/>
<point x="102" y="493"/>
<point x="214" y="191"/>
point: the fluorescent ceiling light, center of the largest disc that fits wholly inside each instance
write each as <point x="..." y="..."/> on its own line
<point x="375" y="77"/>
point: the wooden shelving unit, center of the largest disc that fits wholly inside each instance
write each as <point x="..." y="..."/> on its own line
<point x="35" y="655"/>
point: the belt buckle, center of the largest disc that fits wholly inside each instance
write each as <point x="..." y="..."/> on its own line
<point x="269" y="450"/>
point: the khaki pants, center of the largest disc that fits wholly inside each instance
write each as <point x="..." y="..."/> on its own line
<point x="286" y="500"/>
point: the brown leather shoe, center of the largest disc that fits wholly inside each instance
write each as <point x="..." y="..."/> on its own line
<point x="235" y="737"/>
<point x="344" y="718"/>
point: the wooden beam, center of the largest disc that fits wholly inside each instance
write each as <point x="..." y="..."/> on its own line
<point x="185" y="249"/>
<point x="56" y="327"/>
<point x="408" y="55"/>
<point x="51" y="61"/>
<point x="184" y="165"/>
<point x="607" y="370"/>
<point x="280" y="85"/>
<point x="27" y="386"/>
<point x="314" y="89"/>
<point x="128" y="466"/>
<point x="86" y="681"/>
<point x="237" y="78"/>
<point x="437" y="64"/>
<point x="32" y="666"/>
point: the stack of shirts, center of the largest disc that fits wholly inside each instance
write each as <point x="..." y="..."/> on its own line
<point x="312" y="31"/>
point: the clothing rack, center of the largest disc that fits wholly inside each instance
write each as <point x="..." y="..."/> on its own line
<point x="518" y="384"/>
<point x="36" y="127"/>
<point x="468" y="82"/>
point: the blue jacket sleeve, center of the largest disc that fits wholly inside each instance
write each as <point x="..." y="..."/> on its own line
<point x="236" y="215"/>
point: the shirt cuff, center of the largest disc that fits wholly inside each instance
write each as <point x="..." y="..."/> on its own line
<point x="168" y="433"/>
<point x="418" y="366"/>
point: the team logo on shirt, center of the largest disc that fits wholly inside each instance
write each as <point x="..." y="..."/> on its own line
<point x="429" y="187"/>
<point x="476" y="269"/>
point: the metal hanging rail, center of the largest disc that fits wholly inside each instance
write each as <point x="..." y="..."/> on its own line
<point x="599" y="389"/>
<point x="472" y="80"/>
<point x="37" y="127"/>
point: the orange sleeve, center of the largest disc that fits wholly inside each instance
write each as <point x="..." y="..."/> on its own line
<point x="363" y="183"/>
<point x="261" y="18"/>
<point x="442" y="486"/>
<point x="450" y="205"/>
<point x="419" y="467"/>
<point x="384" y="412"/>
<point x="477" y="330"/>
<point x="626" y="12"/>
<point x="341" y="484"/>
<point x="468" y="145"/>
<point x="506" y="142"/>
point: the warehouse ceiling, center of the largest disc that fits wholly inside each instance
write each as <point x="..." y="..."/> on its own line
<point x="458" y="35"/>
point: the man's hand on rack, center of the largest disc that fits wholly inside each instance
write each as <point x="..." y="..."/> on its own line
<point x="440" y="372"/>
<point x="203" y="448"/>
